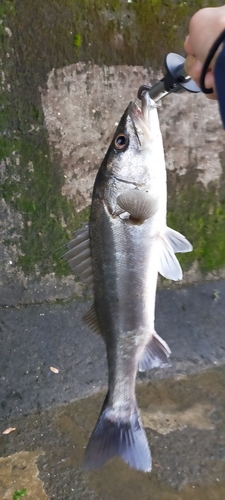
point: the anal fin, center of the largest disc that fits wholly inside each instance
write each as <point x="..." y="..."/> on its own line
<point x="156" y="354"/>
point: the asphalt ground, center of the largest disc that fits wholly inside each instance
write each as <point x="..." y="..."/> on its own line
<point x="53" y="378"/>
<point x="36" y="337"/>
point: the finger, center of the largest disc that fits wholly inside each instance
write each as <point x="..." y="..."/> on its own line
<point x="210" y="83"/>
<point x="209" y="80"/>
<point x="193" y="68"/>
<point x="187" y="45"/>
<point x="189" y="61"/>
<point x="212" y="97"/>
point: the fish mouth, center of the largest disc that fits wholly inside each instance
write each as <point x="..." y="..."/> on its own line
<point x="140" y="117"/>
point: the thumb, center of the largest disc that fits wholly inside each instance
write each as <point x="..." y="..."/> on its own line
<point x="193" y="68"/>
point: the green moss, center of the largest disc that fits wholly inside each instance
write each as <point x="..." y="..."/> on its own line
<point x="200" y="216"/>
<point x="77" y="40"/>
<point x="8" y="190"/>
<point x="48" y="216"/>
<point x="6" y="7"/>
<point x="160" y="27"/>
<point x="34" y="181"/>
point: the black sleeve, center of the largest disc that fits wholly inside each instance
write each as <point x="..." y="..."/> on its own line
<point x="219" y="73"/>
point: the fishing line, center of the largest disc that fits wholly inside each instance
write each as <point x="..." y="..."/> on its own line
<point x="208" y="60"/>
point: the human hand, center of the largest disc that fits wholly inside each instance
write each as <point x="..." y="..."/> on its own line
<point x="205" y="26"/>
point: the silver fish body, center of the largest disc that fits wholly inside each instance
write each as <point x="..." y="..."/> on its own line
<point x="129" y="244"/>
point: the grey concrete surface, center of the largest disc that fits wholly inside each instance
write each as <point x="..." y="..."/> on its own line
<point x="35" y="337"/>
<point x="44" y="452"/>
<point x="81" y="118"/>
<point x="182" y="407"/>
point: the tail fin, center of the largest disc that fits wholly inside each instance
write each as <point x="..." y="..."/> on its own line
<point x="114" y="436"/>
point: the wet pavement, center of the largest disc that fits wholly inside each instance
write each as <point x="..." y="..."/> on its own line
<point x="53" y="414"/>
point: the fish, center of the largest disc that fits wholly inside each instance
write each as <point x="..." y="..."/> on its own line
<point x="120" y="252"/>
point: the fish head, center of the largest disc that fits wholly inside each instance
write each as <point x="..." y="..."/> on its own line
<point x="135" y="158"/>
<point x="136" y="145"/>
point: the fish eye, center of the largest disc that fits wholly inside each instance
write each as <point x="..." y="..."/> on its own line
<point x="120" y="141"/>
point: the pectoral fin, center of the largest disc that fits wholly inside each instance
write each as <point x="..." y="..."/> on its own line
<point x="79" y="255"/>
<point x="171" y="242"/>
<point x="177" y="241"/>
<point x="139" y="204"/>
<point x="168" y="265"/>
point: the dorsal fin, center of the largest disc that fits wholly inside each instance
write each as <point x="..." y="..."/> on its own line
<point x="90" y="318"/>
<point x="79" y="255"/>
